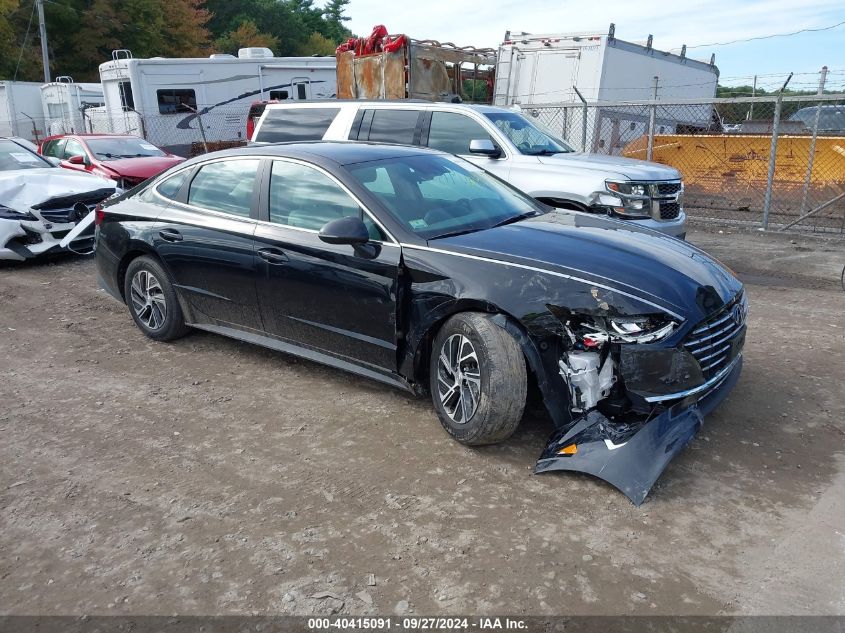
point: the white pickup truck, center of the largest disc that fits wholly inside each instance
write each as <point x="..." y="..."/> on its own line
<point x="502" y="141"/>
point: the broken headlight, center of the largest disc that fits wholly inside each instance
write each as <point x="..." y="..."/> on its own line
<point x="11" y="214"/>
<point x="633" y="198"/>
<point x="593" y="332"/>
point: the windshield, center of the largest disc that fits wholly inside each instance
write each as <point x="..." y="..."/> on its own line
<point x="528" y="138"/>
<point x="831" y="119"/>
<point x="14" y="157"/>
<point x="128" y="147"/>
<point x="437" y="196"/>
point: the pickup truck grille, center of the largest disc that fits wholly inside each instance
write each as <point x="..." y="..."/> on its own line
<point x="669" y="210"/>
<point x="717" y="340"/>
<point x="668" y="188"/>
<point x="666" y="199"/>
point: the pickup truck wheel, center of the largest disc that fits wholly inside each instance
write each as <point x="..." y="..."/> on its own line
<point x="152" y="300"/>
<point x="478" y="379"/>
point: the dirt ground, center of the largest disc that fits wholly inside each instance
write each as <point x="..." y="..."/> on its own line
<point x="210" y="476"/>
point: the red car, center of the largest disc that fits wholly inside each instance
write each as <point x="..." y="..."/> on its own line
<point x="129" y="160"/>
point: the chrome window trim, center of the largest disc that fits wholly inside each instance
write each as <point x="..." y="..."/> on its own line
<point x="548" y="272"/>
<point x="393" y="241"/>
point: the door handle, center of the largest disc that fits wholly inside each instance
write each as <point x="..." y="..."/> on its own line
<point x="272" y="255"/>
<point x="170" y="235"/>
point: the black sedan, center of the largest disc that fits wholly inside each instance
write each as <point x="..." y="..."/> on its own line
<point x="420" y="270"/>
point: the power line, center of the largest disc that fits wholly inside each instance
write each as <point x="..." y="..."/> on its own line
<point x="23" y="45"/>
<point x="766" y="37"/>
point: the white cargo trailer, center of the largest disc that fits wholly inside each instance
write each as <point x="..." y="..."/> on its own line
<point x="66" y="105"/>
<point x="21" y="113"/>
<point x="161" y="98"/>
<point x="552" y="69"/>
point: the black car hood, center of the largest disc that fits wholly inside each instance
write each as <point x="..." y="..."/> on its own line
<point x="617" y="254"/>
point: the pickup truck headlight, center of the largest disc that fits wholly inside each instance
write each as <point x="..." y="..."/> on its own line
<point x="634" y="201"/>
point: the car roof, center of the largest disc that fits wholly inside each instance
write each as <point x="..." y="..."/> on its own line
<point x="410" y="103"/>
<point x="339" y="152"/>
<point x="89" y="136"/>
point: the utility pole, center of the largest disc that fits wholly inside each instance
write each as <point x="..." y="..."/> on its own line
<point x="42" y="26"/>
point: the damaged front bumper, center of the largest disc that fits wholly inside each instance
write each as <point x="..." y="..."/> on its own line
<point x="632" y="456"/>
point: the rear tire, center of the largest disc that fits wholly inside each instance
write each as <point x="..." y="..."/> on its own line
<point x="478" y="379"/>
<point x="152" y="300"/>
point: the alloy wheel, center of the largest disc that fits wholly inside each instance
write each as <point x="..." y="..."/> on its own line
<point x="459" y="378"/>
<point x="148" y="300"/>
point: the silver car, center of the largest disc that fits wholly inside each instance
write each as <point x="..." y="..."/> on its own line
<point x="502" y="141"/>
<point x="40" y="203"/>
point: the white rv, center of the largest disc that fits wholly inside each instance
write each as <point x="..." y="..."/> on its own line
<point x="551" y="69"/>
<point x="21" y="113"/>
<point x="161" y="98"/>
<point x="66" y="105"/>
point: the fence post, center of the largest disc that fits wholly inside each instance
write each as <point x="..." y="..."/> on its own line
<point x="201" y="126"/>
<point x="812" y="156"/>
<point x="652" y="116"/>
<point x="773" y="150"/>
<point x="583" y="120"/>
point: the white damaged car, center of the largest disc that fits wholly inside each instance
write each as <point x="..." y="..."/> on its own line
<point x="41" y="203"/>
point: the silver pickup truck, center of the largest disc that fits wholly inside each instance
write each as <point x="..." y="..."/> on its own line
<point x="502" y="141"/>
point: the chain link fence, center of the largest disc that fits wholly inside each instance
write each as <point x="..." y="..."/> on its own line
<point x="184" y="133"/>
<point x="771" y="162"/>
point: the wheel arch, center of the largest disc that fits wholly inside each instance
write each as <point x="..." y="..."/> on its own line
<point x="503" y="319"/>
<point x="555" y="400"/>
<point x="563" y="203"/>
<point x="135" y="250"/>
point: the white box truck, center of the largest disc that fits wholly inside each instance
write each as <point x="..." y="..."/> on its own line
<point x="66" y="104"/>
<point x="159" y="98"/>
<point x="21" y="113"/>
<point x="552" y="69"/>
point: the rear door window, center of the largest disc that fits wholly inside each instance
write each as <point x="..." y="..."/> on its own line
<point x="171" y="186"/>
<point x="54" y="148"/>
<point x="295" y="124"/>
<point x="392" y="126"/>
<point x="225" y="186"/>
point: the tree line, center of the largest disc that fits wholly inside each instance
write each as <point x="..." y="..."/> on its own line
<point x="83" y="33"/>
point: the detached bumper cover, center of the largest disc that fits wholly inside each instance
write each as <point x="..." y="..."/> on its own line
<point x="631" y="458"/>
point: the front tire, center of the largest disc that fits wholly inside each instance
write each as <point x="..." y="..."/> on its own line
<point x="152" y="300"/>
<point x="478" y="379"/>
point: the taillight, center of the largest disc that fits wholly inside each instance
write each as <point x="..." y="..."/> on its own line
<point x="250" y="127"/>
<point x="99" y="215"/>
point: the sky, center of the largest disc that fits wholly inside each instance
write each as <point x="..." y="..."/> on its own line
<point x="483" y="23"/>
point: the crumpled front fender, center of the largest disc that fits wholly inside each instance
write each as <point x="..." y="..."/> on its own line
<point x="630" y="457"/>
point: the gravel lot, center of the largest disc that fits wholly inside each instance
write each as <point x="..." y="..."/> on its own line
<point x="209" y="476"/>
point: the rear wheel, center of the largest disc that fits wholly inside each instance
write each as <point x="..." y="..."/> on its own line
<point x="478" y="379"/>
<point x="152" y="300"/>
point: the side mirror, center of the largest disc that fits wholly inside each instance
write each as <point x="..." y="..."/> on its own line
<point x="485" y="147"/>
<point x="79" y="159"/>
<point x="348" y="230"/>
<point x="55" y="162"/>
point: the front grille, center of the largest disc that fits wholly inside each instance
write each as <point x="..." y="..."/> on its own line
<point x="714" y="342"/>
<point x="58" y="216"/>
<point x="668" y="188"/>
<point x="669" y="210"/>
